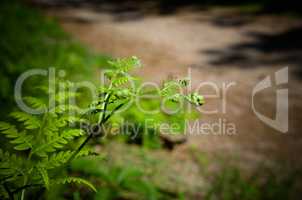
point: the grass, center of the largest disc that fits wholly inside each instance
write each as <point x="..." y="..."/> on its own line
<point x="230" y="182"/>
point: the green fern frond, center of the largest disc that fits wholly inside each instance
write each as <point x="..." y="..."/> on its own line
<point x="72" y="119"/>
<point x="56" y="159"/>
<point x="36" y="103"/>
<point x="86" y="152"/>
<point x="72" y="133"/>
<point x="10" y="165"/>
<point x="30" y="122"/>
<point x="120" y="81"/>
<point x="57" y="141"/>
<point x="124" y="93"/>
<point x="195" y="99"/>
<point x="170" y="88"/>
<point x="52" y="127"/>
<point x="74" y="180"/>
<point x="22" y="141"/>
<point x="44" y="174"/>
<point x="60" y="158"/>
<point x="8" y="130"/>
<point x="125" y="64"/>
<point x="65" y="108"/>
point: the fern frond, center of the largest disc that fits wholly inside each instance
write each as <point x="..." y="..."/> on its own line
<point x="72" y="133"/>
<point x="8" y="130"/>
<point x="195" y="99"/>
<point x="21" y="140"/>
<point x="57" y="141"/>
<point x="60" y="158"/>
<point x="65" y="108"/>
<point x="170" y="88"/>
<point x="86" y="152"/>
<point x="120" y="81"/>
<point x="44" y="174"/>
<point x="72" y="119"/>
<point x="36" y="103"/>
<point x="30" y="122"/>
<point x="10" y="165"/>
<point x="74" y="180"/>
<point x="57" y="159"/>
<point x="125" y="64"/>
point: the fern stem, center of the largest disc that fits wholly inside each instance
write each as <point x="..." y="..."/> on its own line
<point x="79" y="148"/>
<point x="107" y="97"/>
<point x="90" y="135"/>
<point x="105" y="109"/>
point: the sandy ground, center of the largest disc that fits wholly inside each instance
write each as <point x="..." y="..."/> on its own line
<point x="201" y="42"/>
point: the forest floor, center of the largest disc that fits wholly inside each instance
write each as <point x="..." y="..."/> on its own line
<point x="218" y="46"/>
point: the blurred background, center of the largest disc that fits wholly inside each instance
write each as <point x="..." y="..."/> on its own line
<point x="215" y="41"/>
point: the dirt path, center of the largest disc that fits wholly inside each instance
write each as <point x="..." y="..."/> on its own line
<point x="220" y="47"/>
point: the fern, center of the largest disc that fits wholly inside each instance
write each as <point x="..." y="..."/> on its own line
<point x="125" y="64"/>
<point x="11" y="165"/>
<point x="171" y="90"/>
<point x="121" y="81"/>
<point x="36" y="103"/>
<point x="56" y="159"/>
<point x="21" y="140"/>
<point x="76" y="180"/>
<point x="44" y="141"/>
<point x="30" y="122"/>
<point x="44" y="174"/>
<point x="56" y="141"/>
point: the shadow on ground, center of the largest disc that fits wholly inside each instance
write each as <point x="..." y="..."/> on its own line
<point x="263" y="49"/>
<point x="280" y="48"/>
<point x="133" y="10"/>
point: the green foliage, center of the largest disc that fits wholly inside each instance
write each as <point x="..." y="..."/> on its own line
<point x="171" y="91"/>
<point x="35" y="149"/>
<point x="30" y="41"/>
<point x="230" y="184"/>
<point x="76" y="180"/>
<point x="116" y="182"/>
<point x="123" y="89"/>
<point x="44" y="140"/>
<point x="42" y="144"/>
